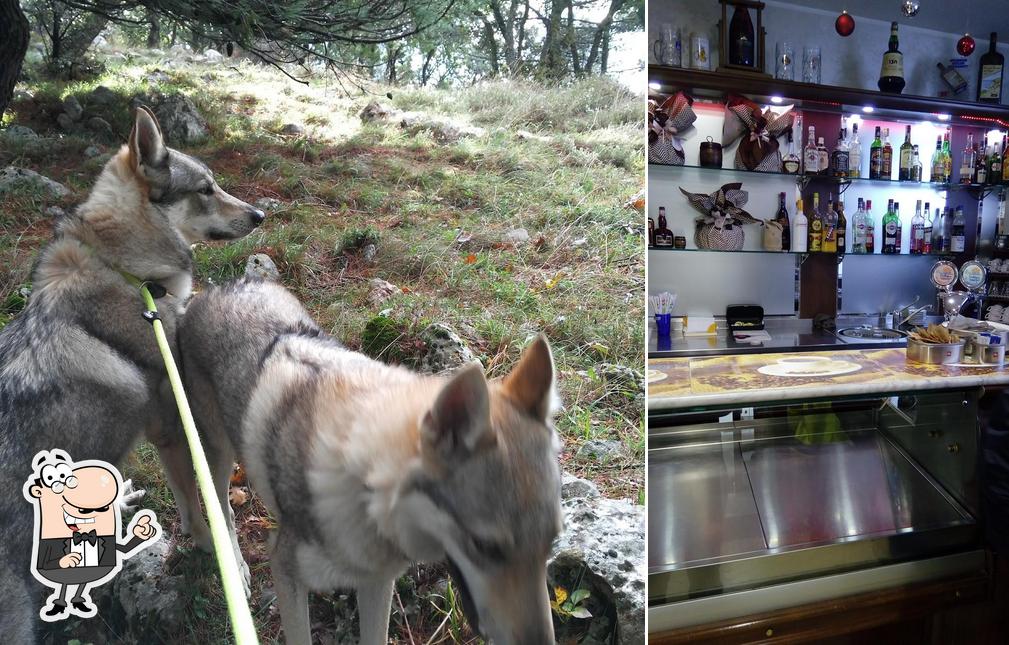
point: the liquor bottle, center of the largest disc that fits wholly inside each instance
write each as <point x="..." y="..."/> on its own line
<point x="839" y="159"/>
<point x="917" y="231"/>
<point x="651" y="232"/>
<point x="791" y="162"/>
<point x="981" y="165"/>
<point x="815" y="226"/>
<point x="876" y="157"/>
<point x="891" y="245"/>
<point x="915" y="164"/>
<point x="989" y="78"/>
<point x="810" y="155"/>
<point x="945" y="228"/>
<point x="741" y="38"/>
<point x="830" y="227"/>
<point x="854" y="153"/>
<point x="786" y="229"/>
<point x="906" y="157"/>
<point x="663" y="236"/>
<point x="995" y="164"/>
<point x="800" y="229"/>
<point x="900" y="227"/>
<point x="891" y="74"/>
<point x="967" y="160"/>
<point x="870" y="228"/>
<point x="947" y="160"/>
<point x="823" y="157"/>
<point x="937" y="163"/>
<point x="927" y="233"/>
<point x="842" y="228"/>
<point x="1001" y="225"/>
<point x="858" y="228"/>
<point x="958" y="239"/>
<point x="886" y="169"/>
<point x="953" y="79"/>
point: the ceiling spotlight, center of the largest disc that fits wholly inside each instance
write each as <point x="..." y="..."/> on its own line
<point x="867" y="109"/>
<point x="910" y="8"/>
<point x="944" y="117"/>
<point x="776" y="100"/>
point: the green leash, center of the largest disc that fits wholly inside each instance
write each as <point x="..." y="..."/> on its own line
<point x="234" y="594"/>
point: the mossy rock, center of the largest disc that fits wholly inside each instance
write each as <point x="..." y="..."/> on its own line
<point x="381" y="339"/>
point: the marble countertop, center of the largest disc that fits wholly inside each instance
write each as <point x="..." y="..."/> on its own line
<point x="731" y="380"/>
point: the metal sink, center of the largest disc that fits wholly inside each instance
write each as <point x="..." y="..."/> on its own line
<point x="871" y="333"/>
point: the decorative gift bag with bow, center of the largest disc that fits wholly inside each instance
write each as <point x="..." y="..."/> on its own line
<point x="757" y="133"/>
<point x="721" y="227"/>
<point x="672" y="117"/>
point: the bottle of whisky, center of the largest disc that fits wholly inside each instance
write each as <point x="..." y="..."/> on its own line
<point x="786" y="229"/>
<point x="839" y="159"/>
<point x="886" y="171"/>
<point x="842" y="228"/>
<point x="810" y="155"/>
<point x="906" y="157"/>
<point x="800" y="232"/>
<point x="989" y="78"/>
<point x="830" y="227"/>
<point x="967" y="160"/>
<point x="891" y="243"/>
<point x="927" y="234"/>
<point x="981" y="164"/>
<point x="663" y="236"/>
<point x="741" y="38"/>
<point x="937" y="163"/>
<point x="958" y="243"/>
<point x="854" y="153"/>
<point x="791" y="163"/>
<point x="876" y="157"/>
<point x="947" y="159"/>
<point x="915" y="165"/>
<point x="823" y="157"/>
<point x="995" y="165"/>
<point x="953" y="79"/>
<point x="815" y="226"/>
<point x="891" y="74"/>
<point x="917" y="231"/>
<point x="870" y="228"/>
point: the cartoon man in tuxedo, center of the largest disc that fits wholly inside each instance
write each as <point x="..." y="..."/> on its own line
<point x="77" y="529"/>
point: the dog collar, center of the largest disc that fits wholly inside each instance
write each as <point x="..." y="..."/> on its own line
<point x="157" y="291"/>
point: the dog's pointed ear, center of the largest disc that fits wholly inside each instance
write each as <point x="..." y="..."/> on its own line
<point x="147" y="144"/>
<point x="531" y="384"/>
<point x="458" y="424"/>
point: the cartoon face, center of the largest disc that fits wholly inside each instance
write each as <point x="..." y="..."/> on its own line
<point x="75" y="500"/>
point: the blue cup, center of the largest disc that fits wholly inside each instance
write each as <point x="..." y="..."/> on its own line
<point x="662" y="323"/>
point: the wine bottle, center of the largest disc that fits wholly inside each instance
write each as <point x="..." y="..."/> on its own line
<point x="937" y="163"/>
<point x="741" y="37"/>
<point x="791" y="163"/>
<point x="876" y="157"/>
<point x="989" y="78"/>
<point x="886" y="170"/>
<point x="995" y="165"/>
<point x="786" y="229"/>
<point x="953" y="79"/>
<point x="906" y="157"/>
<point x="842" y="228"/>
<point x="891" y="74"/>
<point x="870" y="229"/>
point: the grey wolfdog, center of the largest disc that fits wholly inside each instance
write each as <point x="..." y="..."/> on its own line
<point x="79" y="367"/>
<point x="369" y="467"/>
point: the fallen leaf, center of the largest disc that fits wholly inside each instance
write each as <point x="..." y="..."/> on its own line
<point x="237" y="475"/>
<point x="470" y="259"/>
<point x="552" y="282"/>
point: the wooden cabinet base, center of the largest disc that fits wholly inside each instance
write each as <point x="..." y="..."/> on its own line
<point x="954" y="611"/>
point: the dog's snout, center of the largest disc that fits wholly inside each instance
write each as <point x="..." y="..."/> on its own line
<point x="257" y="216"/>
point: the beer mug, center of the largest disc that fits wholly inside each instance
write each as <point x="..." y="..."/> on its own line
<point x="667" y="49"/>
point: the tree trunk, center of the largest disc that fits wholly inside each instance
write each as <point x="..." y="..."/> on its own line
<point x="56" y="52"/>
<point x="602" y="33"/>
<point x="492" y="48"/>
<point x="425" y="71"/>
<point x="551" y="58"/>
<point x="154" y="35"/>
<point x="13" y="45"/>
<point x="605" y="58"/>
<point x="573" y="40"/>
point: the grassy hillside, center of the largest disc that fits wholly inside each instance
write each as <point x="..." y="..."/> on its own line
<point x="558" y="162"/>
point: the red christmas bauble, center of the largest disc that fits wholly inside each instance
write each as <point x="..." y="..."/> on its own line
<point x="965" y="46"/>
<point x="844" y="24"/>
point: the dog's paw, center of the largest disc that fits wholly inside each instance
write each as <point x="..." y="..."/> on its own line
<point x="131" y="498"/>
<point x="200" y="533"/>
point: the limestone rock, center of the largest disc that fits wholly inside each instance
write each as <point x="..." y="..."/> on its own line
<point x="73" y="108"/>
<point x="381" y="290"/>
<point x="180" y="121"/>
<point x="269" y="204"/>
<point x="574" y="487"/>
<point x="19" y="132"/>
<point x="148" y="594"/>
<point x="516" y="236"/>
<point x="64" y="121"/>
<point x="445" y="350"/>
<point x="12" y="178"/>
<point x="102" y="95"/>
<point x="212" y="56"/>
<point x="92" y="151"/>
<point x="293" y="129"/>
<point x="261" y="265"/>
<point x="602" y="450"/>
<point x="603" y="546"/>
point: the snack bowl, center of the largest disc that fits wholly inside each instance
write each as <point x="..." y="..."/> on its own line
<point x="934" y="353"/>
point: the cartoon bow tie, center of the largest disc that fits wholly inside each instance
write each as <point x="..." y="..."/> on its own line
<point x="85" y="536"/>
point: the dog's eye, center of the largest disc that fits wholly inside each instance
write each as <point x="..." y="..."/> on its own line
<point x="207" y="190"/>
<point x="489" y="550"/>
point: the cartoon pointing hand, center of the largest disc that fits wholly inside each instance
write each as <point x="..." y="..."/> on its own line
<point x="144" y="529"/>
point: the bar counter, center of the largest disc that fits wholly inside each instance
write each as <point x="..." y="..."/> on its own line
<point x="700" y="382"/>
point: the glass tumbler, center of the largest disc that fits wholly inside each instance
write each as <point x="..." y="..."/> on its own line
<point x="811" y="65"/>
<point x="784" y="61"/>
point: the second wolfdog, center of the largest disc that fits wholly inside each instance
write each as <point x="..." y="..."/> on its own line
<point x="369" y="467"/>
